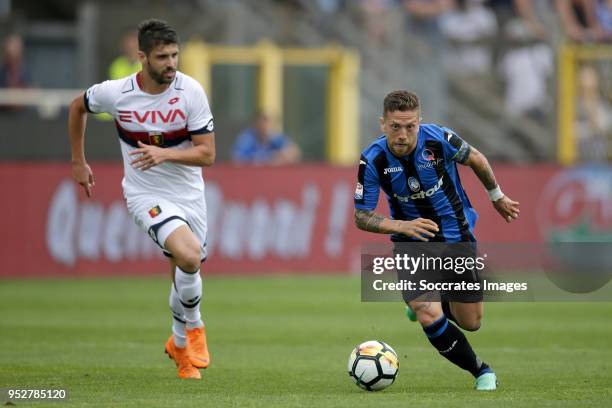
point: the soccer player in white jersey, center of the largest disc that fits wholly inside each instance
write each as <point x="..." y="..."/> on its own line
<point x="165" y="130"/>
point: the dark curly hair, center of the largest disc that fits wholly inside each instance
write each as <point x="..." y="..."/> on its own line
<point x="153" y="32"/>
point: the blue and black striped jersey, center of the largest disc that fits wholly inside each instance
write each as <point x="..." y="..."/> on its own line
<point x="423" y="184"/>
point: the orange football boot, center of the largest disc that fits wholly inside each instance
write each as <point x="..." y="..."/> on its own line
<point x="196" y="345"/>
<point x="181" y="358"/>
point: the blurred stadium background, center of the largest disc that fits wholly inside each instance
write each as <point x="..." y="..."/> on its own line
<point x="529" y="83"/>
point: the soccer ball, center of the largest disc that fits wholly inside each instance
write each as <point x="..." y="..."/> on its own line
<point x="373" y="365"/>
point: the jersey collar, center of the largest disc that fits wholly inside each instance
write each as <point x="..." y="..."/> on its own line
<point x="139" y="83"/>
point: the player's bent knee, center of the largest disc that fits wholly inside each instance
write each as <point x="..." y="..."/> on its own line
<point x="470" y="324"/>
<point x="187" y="256"/>
<point x="185" y="248"/>
<point x="468" y="315"/>
<point x="427" y="313"/>
<point x="188" y="260"/>
<point x="471" y="327"/>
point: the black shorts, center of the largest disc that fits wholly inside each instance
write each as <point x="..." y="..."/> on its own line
<point x="447" y="272"/>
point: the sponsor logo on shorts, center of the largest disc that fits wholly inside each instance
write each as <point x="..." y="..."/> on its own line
<point x="155" y="211"/>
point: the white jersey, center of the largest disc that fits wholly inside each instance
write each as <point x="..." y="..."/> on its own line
<point x="167" y="120"/>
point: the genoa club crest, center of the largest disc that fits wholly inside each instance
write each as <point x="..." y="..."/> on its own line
<point x="156" y="139"/>
<point x="155" y="211"/>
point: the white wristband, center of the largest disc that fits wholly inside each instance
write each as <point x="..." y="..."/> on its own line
<point x="495" y="194"/>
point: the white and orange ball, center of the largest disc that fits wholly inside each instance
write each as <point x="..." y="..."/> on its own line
<point x="373" y="365"/>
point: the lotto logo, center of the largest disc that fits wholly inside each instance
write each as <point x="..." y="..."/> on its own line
<point x="210" y="126"/>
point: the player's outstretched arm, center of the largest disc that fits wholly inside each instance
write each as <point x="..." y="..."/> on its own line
<point x="77" y="118"/>
<point x="201" y="154"/>
<point x="507" y="208"/>
<point x="421" y="228"/>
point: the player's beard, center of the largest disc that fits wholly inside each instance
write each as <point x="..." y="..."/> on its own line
<point x="400" y="150"/>
<point x="159" y="76"/>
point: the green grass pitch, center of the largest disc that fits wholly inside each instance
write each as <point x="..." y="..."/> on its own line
<point x="285" y="342"/>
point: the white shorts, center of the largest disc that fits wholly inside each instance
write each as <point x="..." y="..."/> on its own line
<point x="158" y="217"/>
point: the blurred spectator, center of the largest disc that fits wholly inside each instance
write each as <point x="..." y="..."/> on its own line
<point x="260" y="144"/>
<point x="13" y="73"/>
<point x="525" y="67"/>
<point x="124" y="65"/>
<point x="376" y="16"/>
<point x="526" y="11"/>
<point x="469" y="28"/>
<point x="127" y="63"/>
<point x="426" y="48"/>
<point x="603" y="12"/>
<point x="506" y="10"/>
<point x="579" y="20"/>
<point x="289" y="11"/>
<point x="328" y="12"/>
<point x="428" y="9"/>
<point x="593" y="117"/>
<point x="515" y="13"/>
<point x="330" y="6"/>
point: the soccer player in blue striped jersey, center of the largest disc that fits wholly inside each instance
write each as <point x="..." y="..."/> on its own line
<point x="415" y="166"/>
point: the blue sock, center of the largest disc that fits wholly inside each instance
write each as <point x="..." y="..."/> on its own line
<point x="452" y="345"/>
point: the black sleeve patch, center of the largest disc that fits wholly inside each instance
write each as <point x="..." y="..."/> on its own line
<point x="463" y="148"/>
<point x="463" y="153"/>
<point x="454" y="140"/>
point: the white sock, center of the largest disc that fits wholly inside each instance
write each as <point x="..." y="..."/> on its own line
<point x="178" y="318"/>
<point x="189" y="288"/>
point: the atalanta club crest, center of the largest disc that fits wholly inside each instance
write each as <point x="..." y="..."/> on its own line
<point x="413" y="184"/>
